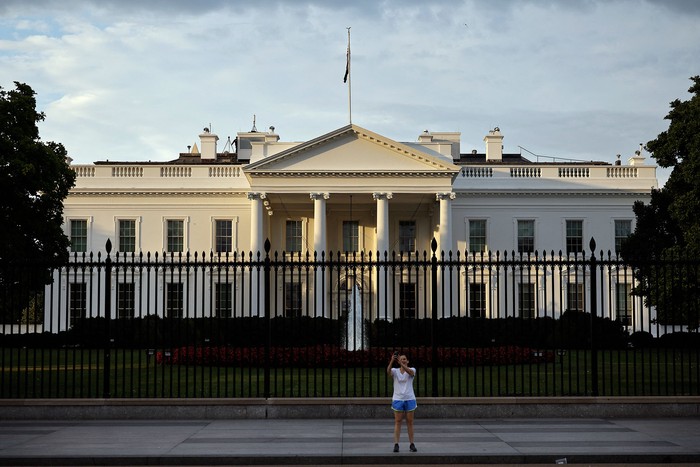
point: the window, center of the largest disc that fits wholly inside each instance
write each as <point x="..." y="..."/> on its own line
<point x="623" y="299"/>
<point x="407" y="300"/>
<point x="623" y="229"/>
<point x="574" y="296"/>
<point x="477" y="300"/>
<point x="175" y="236"/>
<point x="223" y="233"/>
<point x="407" y="236"/>
<point x="293" y="239"/>
<point x="574" y="236"/>
<point x="351" y="238"/>
<point x="78" y="235"/>
<point x="477" y="235"/>
<point x="222" y="299"/>
<point x="127" y="235"/>
<point x="77" y="301"/>
<point x="292" y="299"/>
<point x="125" y="300"/>
<point x="526" y="236"/>
<point x="526" y="300"/>
<point x="174" y="299"/>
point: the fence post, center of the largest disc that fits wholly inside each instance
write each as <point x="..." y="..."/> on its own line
<point x="108" y="317"/>
<point x="433" y="324"/>
<point x="594" y="314"/>
<point x="268" y="326"/>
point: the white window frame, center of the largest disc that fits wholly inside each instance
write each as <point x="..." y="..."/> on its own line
<point x="584" y="229"/>
<point x="360" y="237"/>
<point x="234" y="232"/>
<point x="67" y="231"/>
<point x="467" y="224"/>
<point x="304" y="234"/>
<point x="137" y="233"/>
<point x="185" y="233"/>
<point x="614" y="236"/>
<point x="535" y="222"/>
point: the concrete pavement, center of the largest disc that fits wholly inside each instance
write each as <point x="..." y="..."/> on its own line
<point x="510" y="441"/>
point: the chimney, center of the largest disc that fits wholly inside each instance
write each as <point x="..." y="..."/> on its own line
<point x="425" y="137"/>
<point x="638" y="158"/>
<point x="208" y="140"/>
<point x="494" y="145"/>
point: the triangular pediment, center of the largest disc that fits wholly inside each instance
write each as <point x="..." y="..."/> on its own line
<point x="354" y="151"/>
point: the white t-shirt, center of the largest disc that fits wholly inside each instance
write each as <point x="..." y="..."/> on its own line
<point x="403" y="385"/>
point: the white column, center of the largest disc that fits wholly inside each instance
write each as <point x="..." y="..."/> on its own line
<point x="445" y="222"/>
<point x="322" y="293"/>
<point x="383" y="286"/>
<point x="382" y="221"/>
<point x="447" y="291"/>
<point x="256" y="246"/>
<point x="320" y="235"/>
<point x="256" y="223"/>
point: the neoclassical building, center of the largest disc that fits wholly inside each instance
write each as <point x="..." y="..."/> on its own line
<point x="349" y="190"/>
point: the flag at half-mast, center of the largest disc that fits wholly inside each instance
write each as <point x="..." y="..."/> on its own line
<point x="347" y="61"/>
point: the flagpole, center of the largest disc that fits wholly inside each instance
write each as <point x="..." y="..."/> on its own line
<point x="349" y="76"/>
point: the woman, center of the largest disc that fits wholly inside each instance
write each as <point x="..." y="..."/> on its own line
<point x="404" y="399"/>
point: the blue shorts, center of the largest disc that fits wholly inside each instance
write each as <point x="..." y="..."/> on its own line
<point x="404" y="406"/>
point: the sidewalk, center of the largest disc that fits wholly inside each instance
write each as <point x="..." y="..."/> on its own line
<point x="348" y="441"/>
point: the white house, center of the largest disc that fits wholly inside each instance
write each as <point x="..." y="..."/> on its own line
<point x="349" y="190"/>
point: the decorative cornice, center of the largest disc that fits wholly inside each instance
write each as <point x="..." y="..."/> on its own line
<point x="257" y="168"/>
<point x="133" y="193"/>
<point x="463" y="194"/>
<point x="353" y="174"/>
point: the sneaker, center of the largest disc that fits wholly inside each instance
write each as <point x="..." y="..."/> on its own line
<point x="396" y="447"/>
<point x="412" y="447"/>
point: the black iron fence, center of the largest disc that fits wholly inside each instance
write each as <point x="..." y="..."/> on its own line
<point x="301" y="325"/>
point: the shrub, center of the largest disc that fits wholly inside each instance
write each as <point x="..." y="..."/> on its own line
<point x="329" y="356"/>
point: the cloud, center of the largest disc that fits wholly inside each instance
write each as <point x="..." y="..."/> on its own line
<point x="135" y="80"/>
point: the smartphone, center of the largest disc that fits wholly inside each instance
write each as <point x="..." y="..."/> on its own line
<point x="396" y="354"/>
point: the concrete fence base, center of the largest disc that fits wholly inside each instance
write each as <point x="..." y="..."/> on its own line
<point x="463" y="407"/>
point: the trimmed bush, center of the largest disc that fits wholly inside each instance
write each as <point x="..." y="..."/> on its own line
<point x="328" y="356"/>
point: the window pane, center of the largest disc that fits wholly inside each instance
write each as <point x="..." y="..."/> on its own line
<point x="351" y="237"/>
<point x="78" y="235"/>
<point x="174" y="300"/>
<point x="125" y="300"/>
<point x="477" y="300"/>
<point x="623" y="309"/>
<point x="224" y="236"/>
<point x="574" y="236"/>
<point x="292" y="299"/>
<point x="526" y="300"/>
<point x="574" y="296"/>
<point x="293" y="236"/>
<point x="78" y="301"/>
<point x="526" y="236"/>
<point x="127" y="236"/>
<point x="623" y="229"/>
<point x="407" y="236"/>
<point x="224" y="292"/>
<point x="477" y="235"/>
<point x="176" y="236"/>
<point x="407" y="300"/>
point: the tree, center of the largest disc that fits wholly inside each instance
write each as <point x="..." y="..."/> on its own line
<point x="34" y="180"/>
<point x="666" y="239"/>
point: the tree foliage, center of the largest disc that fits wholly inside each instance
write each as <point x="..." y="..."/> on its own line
<point x="34" y="180"/>
<point x="668" y="228"/>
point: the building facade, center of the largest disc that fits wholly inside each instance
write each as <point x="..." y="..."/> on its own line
<point x="348" y="191"/>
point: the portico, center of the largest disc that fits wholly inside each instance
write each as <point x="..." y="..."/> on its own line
<point x="352" y="191"/>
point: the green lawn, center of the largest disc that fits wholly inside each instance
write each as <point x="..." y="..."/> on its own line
<point x="78" y="373"/>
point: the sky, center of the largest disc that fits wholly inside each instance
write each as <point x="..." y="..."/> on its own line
<point x="137" y="80"/>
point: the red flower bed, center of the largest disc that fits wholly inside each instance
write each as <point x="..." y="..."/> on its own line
<point x="328" y="356"/>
